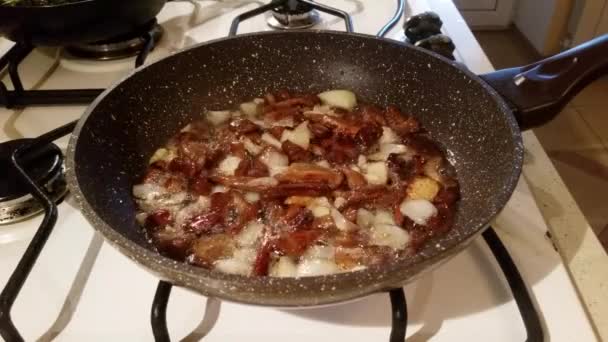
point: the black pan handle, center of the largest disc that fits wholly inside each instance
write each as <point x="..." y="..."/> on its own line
<point x="538" y="92"/>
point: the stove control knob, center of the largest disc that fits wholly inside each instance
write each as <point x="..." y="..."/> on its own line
<point x="439" y="43"/>
<point x="422" y="26"/>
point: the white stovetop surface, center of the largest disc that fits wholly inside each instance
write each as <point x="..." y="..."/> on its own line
<point x="82" y="289"/>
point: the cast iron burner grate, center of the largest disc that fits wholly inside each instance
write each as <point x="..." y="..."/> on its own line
<point x="44" y="167"/>
<point x="399" y="311"/>
<point x="140" y="44"/>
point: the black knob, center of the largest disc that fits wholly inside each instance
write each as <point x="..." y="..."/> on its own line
<point x="422" y="26"/>
<point x="439" y="43"/>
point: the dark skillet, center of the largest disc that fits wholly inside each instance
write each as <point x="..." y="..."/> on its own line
<point x="75" y="22"/>
<point x="112" y="142"/>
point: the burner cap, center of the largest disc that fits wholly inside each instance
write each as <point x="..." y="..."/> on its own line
<point x="123" y="46"/>
<point x="44" y="166"/>
<point x="293" y="16"/>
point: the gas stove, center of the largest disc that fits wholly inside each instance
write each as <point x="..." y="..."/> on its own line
<point x="83" y="289"/>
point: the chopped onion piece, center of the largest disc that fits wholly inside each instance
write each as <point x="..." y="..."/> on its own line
<point x="418" y="210"/>
<point x="320" y="207"/>
<point x="365" y="218"/>
<point x="218" y="188"/>
<point x="218" y="117"/>
<point x="147" y="191"/>
<point x="251" y="147"/>
<point x="339" y="98"/>
<point x="320" y="252"/>
<point x="320" y="211"/>
<point x="386" y="150"/>
<point x="284" y="267"/>
<point x="383" y="217"/>
<point x="250" y="108"/>
<point x="162" y="154"/>
<point x="276" y="161"/>
<point x="389" y="235"/>
<point x="376" y="173"/>
<point x="299" y="135"/>
<point x="388" y="136"/>
<point x="271" y="140"/>
<point x="323" y="163"/>
<point x="284" y="122"/>
<point x="339" y="201"/>
<point x="361" y="160"/>
<point x="141" y="218"/>
<point x="341" y="222"/>
<point x="316" y="267"/>
<point x="250" y="234"/>
<point x="229" y="165"/>
<point x="240" y="263"/>
<point x="258" y="100"/>
<point x="252" y="197"/>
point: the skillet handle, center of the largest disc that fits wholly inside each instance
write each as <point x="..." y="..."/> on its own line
<point x="538" y="92"/>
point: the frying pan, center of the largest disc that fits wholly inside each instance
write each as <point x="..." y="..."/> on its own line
<point x="77" y="22"/>
<point x="112" y="142"/>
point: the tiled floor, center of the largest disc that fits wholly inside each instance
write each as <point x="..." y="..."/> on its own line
<point x="577" y="140"/>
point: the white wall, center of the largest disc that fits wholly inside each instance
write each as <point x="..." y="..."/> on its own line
<point x="533" y="18"/>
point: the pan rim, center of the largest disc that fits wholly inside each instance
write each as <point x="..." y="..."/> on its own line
<point x="182" y="274"/>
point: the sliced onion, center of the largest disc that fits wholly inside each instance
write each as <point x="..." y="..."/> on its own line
<point x="339" y="98"/>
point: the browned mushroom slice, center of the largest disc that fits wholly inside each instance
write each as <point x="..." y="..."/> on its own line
<point x="310" y="173"/>
<point x="354" y="179"/>
<point x="208" y="249"/>
<point x="300" y="189"/>
<point x="401" y="123"/>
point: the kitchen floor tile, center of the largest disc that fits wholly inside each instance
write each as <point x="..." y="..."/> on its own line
<point x="585" y="173"/>
<point x="596" y="117"/>
<point x="594" y="94"/>
<point x="568" y="132"/>
<point x="506" y="48"/>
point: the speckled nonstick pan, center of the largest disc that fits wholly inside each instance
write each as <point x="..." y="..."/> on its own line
<point x="113" y="141"/>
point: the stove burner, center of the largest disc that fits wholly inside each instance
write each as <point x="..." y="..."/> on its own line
<point x="126" y="45"/>
<point x="43" y="166"/>
<point x="293" y="15"/>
